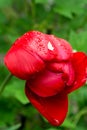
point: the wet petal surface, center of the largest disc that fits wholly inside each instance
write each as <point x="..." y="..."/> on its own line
<point x="79" y="64"/>
<point x="62" y="48"/>
<point x="23" y="63"/>
<point x="46" y="83"/>
<point x="54" y="108"/>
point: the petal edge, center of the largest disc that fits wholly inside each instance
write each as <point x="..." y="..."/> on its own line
<point x="79" y="64"/>
<point x="54" y="108"/>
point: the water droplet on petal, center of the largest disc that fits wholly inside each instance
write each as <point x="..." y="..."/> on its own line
<point x="56" y="122"/>
<point x="50" y="47"/>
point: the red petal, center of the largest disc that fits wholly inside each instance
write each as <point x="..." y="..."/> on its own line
<point x="28" y="52"/>
<point x="49" y="47"/>
<point x="22" y="62"/>
<point x="63" y="48"/>
<point x="79" y="64"/>
<point x="39" y="43"/>
<point x="64" y="67"/>
<point x="46" y="83"/>
<point x="54" y="108"/>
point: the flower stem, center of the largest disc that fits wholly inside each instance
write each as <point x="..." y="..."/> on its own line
<point x="79" y="115"/>
<point x="3" y="85"/>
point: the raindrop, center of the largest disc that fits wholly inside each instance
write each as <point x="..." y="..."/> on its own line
<point x="50" y="47"/>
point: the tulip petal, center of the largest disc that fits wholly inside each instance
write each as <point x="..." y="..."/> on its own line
<point x="53" y="108"/>
<point x="22" y="62"/>
<point x="64" y="67"/>
<point x="39" y="43"/>
<point x="79" y="64"/>
<point x="63" y="48"/>
<point x="49" y="47"/>
<point x="46" y="83"/>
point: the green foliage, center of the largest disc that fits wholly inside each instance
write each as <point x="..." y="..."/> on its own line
<point x="68" y="124"/>
<point x="64" y="18"/>
<point x="8" y="106"/>
<point x="14" y="127"/>
<point x="41" y="1"/>
<point x="78" y="40"/>
<point x="70" y="8"/>
<point x="15" y="89"/>
<point x="5" y="3"/>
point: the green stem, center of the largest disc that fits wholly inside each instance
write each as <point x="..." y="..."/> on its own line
<point x="79" y="115"/>
<point x="3" y="85"/>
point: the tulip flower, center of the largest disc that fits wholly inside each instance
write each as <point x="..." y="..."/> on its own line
<point x="51" y="69"/>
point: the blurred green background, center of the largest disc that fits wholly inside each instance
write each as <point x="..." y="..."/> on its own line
<point x="64" y="18"/>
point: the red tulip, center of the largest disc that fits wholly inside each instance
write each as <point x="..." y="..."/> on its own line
<point x="52" y="71"/>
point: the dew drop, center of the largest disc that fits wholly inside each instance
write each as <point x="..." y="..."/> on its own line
<point x="50" y="47"/>
<point x="56" y="121"/>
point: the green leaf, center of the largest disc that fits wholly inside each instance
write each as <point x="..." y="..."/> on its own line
<point x="63" y="11"/>
<point x="12" y="38"/>
<point x="5" y="3"/>
<point x="8" y="110"/>
<point x="80" y="114"/>
<point x="16" y="89"/>
<point x="80" y="128"/>
<point x="15" y="127"/>
<point x="52" y="129"/>
<point x="69" y="124"/>
<point x="78" y="40"/>
<point x="67" y="8"/>
<point x="2" y="18"/>
<point x="41" y="1"/>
